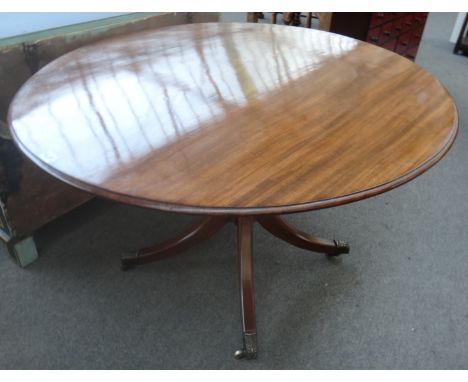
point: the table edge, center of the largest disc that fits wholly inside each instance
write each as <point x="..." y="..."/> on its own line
<point x="266" y="210"/>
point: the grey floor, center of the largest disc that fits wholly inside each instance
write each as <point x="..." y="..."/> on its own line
<point x="399" y="300"/>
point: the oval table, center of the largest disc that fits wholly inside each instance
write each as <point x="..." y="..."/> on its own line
<point x="237" y="123"/>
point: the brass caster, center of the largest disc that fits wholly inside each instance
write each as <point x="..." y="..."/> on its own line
<point x="125" y="266"/>
<point x="239" y="354"/>
<point x="250" y="347"/>
<point x="341" y="247"/>
<point x="129" y="262"/>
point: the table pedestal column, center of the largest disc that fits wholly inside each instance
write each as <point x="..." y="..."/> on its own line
<point x="208" y="226"/>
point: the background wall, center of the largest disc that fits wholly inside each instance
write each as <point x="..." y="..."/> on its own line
<point x="17" y="23"/>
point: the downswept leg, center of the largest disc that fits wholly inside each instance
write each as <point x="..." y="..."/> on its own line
<point x="279" y="228"/>
<point x="205" y="228"/>
<point x="249" y="326"/>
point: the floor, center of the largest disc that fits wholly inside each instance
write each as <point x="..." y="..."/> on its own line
<point x="398" y="301"/>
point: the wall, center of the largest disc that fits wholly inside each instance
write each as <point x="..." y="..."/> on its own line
<point x="18" y="23"/>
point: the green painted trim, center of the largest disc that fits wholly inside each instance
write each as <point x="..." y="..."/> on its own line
<point x="25" y="252"/>
<point x="88" y="26"/>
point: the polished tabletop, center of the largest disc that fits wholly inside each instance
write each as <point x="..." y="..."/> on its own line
<point x="233" y="118"/>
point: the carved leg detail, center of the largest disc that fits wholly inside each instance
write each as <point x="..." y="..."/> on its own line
<point x="279" y="228"/>
<point x="249" y="326"/>
<point x="201" y="231"/>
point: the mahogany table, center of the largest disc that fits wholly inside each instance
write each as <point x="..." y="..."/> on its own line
<point x="236" y="123"/>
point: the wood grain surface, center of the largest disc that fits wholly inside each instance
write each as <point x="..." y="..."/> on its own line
<point x="233" y="119"/>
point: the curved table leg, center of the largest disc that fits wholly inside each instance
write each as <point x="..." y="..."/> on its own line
<point x="279" y="228"/>
<point x="201" y="231"/>
<point x="249" y="326"/>
<point x="209" y="226"/>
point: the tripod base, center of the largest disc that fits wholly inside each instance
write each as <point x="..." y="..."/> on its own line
<point x="207" y="227"/>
